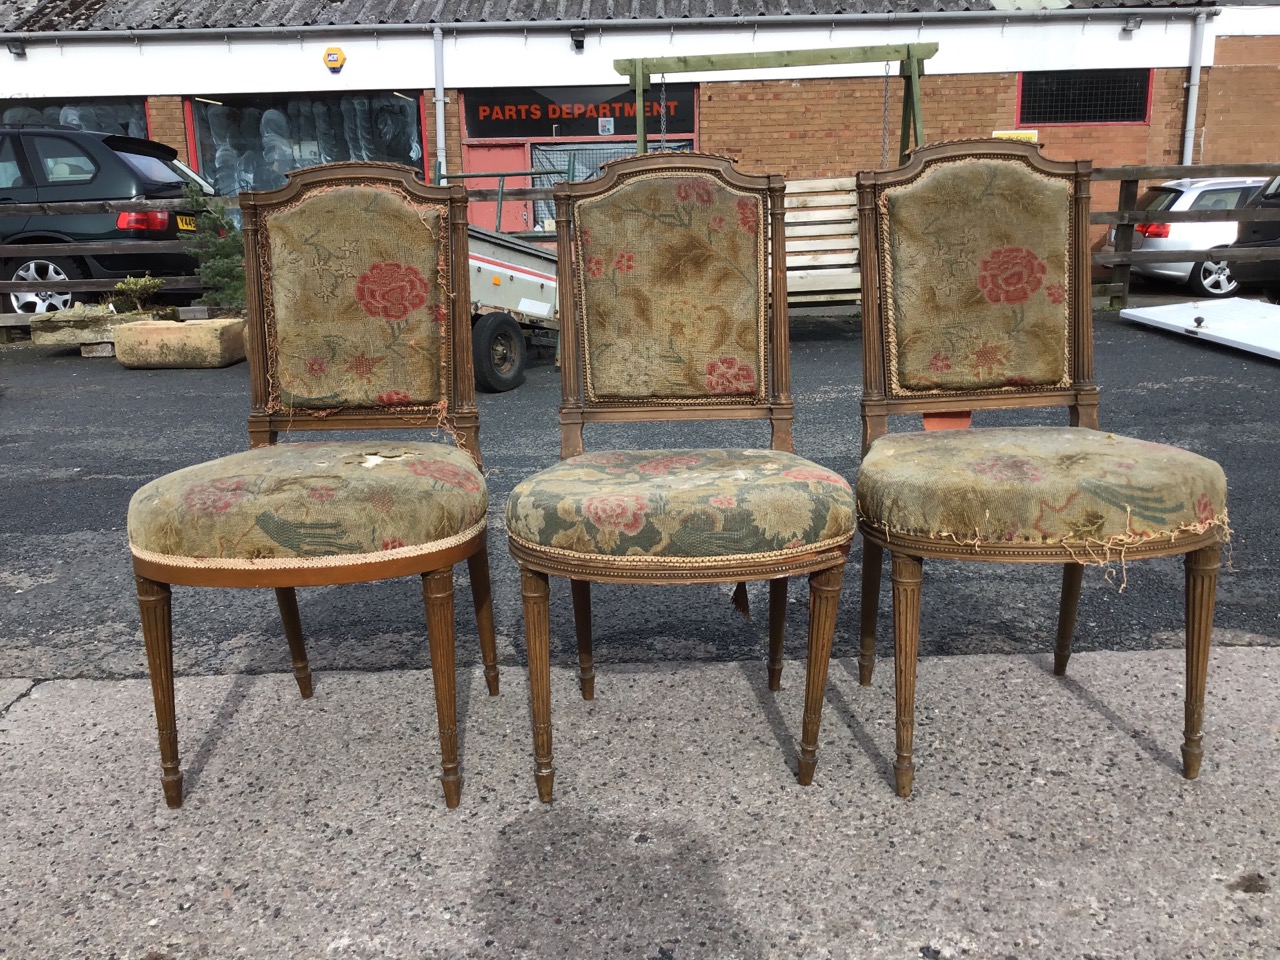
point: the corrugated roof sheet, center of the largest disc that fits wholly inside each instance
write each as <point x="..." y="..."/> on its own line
<point x="35" y="16"/>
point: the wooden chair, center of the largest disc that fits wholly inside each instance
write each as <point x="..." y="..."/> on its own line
<point x="673" y="308"/>
<point x="359" y="319"/>
<point x="976" y="296"/>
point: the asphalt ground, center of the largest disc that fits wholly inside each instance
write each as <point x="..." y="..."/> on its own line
<point x="78" y="436"/>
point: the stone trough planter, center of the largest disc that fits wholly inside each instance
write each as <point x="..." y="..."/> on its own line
<point x="159" y="344"/>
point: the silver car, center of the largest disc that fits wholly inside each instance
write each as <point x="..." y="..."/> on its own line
<point x="1208" y="278"/>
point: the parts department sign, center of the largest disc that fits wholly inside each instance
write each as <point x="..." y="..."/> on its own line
<point x="578" y="112"/>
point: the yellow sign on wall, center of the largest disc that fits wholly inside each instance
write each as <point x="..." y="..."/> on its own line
<point x="1027" y="136"/>
<point x="334" y="58"/>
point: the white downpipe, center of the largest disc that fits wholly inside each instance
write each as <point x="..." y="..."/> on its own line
<point x="1193" y="89"/>
<point x="439" y="100"/>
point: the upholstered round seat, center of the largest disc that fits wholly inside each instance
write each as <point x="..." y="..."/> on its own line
<point x="711" y="503"/>
<point x="311" y="504"/>
<point x="1038" y="486"/>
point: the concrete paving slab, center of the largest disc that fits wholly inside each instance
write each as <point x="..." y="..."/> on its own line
<point x="1049" y="819"/>
<point x="11" y="690"/>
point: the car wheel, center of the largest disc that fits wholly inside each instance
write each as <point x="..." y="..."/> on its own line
<point x="1212" y="279"/>
<point x="498" y="348"/>
<point x="52" y="269"/>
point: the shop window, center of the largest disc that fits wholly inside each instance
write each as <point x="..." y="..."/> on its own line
<point x="1085" y="96"/>
<point x="577" y="161"/>
<point x="250" y="143"/>
<point x="121" y="116"/>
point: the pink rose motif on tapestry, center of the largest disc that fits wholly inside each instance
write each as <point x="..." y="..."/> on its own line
<point x="391" y="290"/>
<point x="446" y="473"/>
<point x="729" y="375"/>
<point x="806" y="474"/>
<point x="616" y="511"/>
<point x="1011" y="275"/>
<point x="717" y="222"/>
<point x="694" y="189"/>
<point x="586" y="237"/>
<point x="940" y="363"/>
<point x="988" y="358"/>
<point x="604" y="459"/>
<point x="624" y="262"/>
<point x="393" y="543"/>
<point x="723" y="503"/>
<point x="362" y="366"/>
<point x="215" y="496"/>
<point x="595" y="267"/>
<point x="748" y="215"/>
<point x="1008" y="469"/>
<point x="317" y="366"/>
<point x="1204" y="508"/>
<point x="439" y="314"/>
<point x="1055" y="293"/>
<point x="322" y="494"/>
<point x="665" y="464"/>
<point x="394" y="398"/>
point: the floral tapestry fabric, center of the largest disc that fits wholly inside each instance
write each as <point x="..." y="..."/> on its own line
<point x="293" y="501"/>
<point x="709" y="503"/>
<point x="1038" y="485"/>
<point x="977" y="259"/>
<point x="358" y="293"/>
<point x="671" y="281"/>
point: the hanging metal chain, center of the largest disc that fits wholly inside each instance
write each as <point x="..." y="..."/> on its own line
<point x="662" y="115"/>
<point x="884" y="122"/>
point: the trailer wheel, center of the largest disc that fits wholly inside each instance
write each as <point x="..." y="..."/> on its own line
<point x="498" y="348"/>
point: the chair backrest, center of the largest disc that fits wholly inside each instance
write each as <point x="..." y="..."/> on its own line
<point x="976" y="287"/>
<point x="673" y="301"/>
<point x="358" y="301"/>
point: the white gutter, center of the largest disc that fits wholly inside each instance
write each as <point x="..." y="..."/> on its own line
<point x="669" y="23"/>
<point x="438" y="100"/>
<point x="1193" y="89"/>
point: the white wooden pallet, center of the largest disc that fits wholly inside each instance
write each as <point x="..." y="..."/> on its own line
<point x="1250" y="325"/>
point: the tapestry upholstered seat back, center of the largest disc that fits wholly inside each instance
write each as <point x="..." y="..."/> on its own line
<point x="978" y="276"/>
<point x="356" y="283"/>
<point x="672" y="287"/>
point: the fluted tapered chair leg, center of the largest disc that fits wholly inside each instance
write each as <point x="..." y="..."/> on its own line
<point x="581" y="590"/>
<point x="1202" y="583"/>
<point x="907" y="576"/>
<point x="537" y="633"/>
<point x="155" y="605"/>
<point x="872" y="564"/>
<point x="1072" y="575"/>
<point x="777" y="629"/>
<point x="482" y="599"/>
<point x="824" y="601"/>
<point x="437" y="592"/>
<point x="287" y="600"/>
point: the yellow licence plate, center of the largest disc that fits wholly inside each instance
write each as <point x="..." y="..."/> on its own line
<point x="186" y="223"/>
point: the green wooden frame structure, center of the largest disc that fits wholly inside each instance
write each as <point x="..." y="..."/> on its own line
<point x="910" y="56"/>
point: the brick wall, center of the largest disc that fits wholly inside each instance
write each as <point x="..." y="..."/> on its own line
<point x="167" y="123"/>
<point x="452" y="133"/>
<point x="825" y="128"/>
<point x="1240" y="95"/>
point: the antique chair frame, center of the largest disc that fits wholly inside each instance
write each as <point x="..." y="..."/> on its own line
<point x="456" y="416"/>
<point x="951" y="410"/>
<point x="825" y="568"/>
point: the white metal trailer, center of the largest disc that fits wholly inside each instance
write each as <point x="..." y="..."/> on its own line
<point x="513" y="306"/>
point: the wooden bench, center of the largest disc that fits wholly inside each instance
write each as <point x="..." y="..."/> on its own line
<point x="822" y="243"/>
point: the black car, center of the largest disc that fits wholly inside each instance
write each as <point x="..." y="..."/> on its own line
<point x="1264" y="234"/>
<point x="41" y="164"/>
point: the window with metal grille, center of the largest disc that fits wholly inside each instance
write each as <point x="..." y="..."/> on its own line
<point x="1085" y="96"/>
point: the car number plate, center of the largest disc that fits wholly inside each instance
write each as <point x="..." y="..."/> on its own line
<point x="186" y="223"/>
